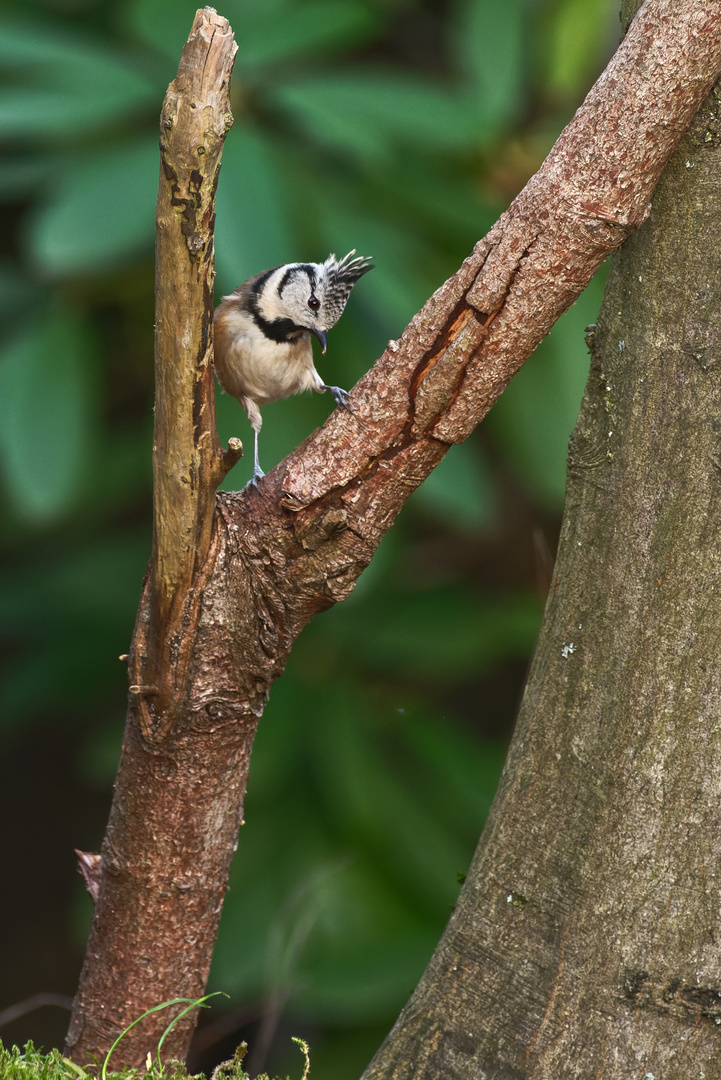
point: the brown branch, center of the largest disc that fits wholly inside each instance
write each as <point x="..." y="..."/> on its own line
<point x="217" y="620"/>
<point x="136" y="885"/>
<point x="188" y="461"/>
<point x="460" y="352"/>
<point x="342" y="489"/>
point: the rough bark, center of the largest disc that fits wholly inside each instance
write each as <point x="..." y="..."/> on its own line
<point x="278" y="555"/>
<point x="174" y="822"/>
<point x="585" y="942"/>
<point x="188" y="462"/>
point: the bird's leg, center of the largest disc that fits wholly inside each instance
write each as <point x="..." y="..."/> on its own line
<point x="256" y="422"/>
<point x="258" y="473"/>
<point x="340" y="396"/>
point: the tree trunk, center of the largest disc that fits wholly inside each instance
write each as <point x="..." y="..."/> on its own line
<point x="221" y="610"/>
<point x="585" y="942"/>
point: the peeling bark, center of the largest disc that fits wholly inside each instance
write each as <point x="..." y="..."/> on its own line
<point x="230" y="590"/>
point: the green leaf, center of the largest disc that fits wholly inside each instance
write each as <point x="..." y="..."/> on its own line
<point x="367" y="113"/>
<point x="63" y="84"/>
<point x="579" y="36"/>
<point x="391" y="810"/>
<point x="457" y="761"/>
<point x="270" y="32"/>
<point x="442" y="635"/>
<point x="163" y="25"/>
<point x="489" y="43"/>
<point x="190" y="1002"/>
<point x="459" y="491"/>
<point x="399" y="285"/>
<point x="48" y="409"/>
<point x="78" y="599"/>
<point x="267" y="31"/>
<point x="16" y="292"/>
<point x="252" y="227"/>
<point x="101" y="210"/>
<point x="435" y="194"/>
<point x="368" y="946"/>
<point x="21" y="174"/>
<point x="533" y="419"/>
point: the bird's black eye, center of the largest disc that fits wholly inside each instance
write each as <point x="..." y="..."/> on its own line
<point x="313" y="303"/>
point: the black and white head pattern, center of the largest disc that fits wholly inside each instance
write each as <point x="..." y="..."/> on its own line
<point x="306" y="296"/>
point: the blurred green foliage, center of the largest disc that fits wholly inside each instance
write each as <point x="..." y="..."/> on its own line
<point x="401" y="128"/>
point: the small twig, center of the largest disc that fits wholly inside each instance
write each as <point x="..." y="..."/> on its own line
<point x="90" y="866"/>
<point x="30" y="1004"/>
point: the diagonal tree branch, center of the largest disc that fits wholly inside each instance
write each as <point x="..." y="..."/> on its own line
<point x="459" y="353"/>
<point x="216" y="624"/>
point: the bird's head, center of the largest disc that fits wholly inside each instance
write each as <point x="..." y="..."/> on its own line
<point x="310" y="296"/>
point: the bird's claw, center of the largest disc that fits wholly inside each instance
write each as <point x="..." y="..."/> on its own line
<point x="258" y="474"/>
<point x="341" y="397"/>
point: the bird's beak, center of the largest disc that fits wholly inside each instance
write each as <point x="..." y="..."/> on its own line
<point x="320" y="334"/>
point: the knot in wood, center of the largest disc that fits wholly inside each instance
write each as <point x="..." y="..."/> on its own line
<point x="318" y="530"/>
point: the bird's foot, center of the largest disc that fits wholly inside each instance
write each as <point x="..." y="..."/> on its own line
<point x="341" y="397"/>
<point x="258" y="474"/>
